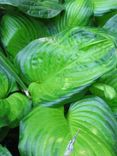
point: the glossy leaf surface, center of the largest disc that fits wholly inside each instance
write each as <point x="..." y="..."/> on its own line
<point x="59" y="67"/>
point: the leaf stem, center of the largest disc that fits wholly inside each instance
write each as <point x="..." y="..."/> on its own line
<point x="70" y="146"/>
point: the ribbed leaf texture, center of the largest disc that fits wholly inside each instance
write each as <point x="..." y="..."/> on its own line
<point x="104" y="6"/>
<point x="56" y="69"/>
<point x="89" y="123"/>
<point x="77" y="13"/>
<point x="18" y="30"/>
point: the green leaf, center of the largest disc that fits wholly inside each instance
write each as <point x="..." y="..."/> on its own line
<point x="13" y="109"/>
<point x="18" y="30"/>
<point x="106" y="92"/>
<point x="89" y="124"/>
<point x="58" y="68"/>
<point x="104" y="6"/>
<point x="4" y="84"/>
<point x="12" y="72"/>
<point x="77" y="13"/>
<point x="36" y="8"/>
<point x="106" y="88"/>
<point x="103" y="90"/>
<point x="110" y="78"/>
<point x="4" y="151"/>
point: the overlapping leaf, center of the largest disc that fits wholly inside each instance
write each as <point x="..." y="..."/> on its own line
<point x="57" y="69"/>
<point x="77" y="13"/>
<point x="47" y="132"/>
<point x="13" y="106"/>
<point x="106" y="88"/>
<point x="18" y="30"/>
<point x="38" y="8"/>
<point x="13" y="109"/>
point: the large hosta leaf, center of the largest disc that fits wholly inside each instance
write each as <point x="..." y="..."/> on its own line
<point x="103" y="6"/>
<point x="18" y="30"/>
<point x="13" y="109"/>
<point x="57" y="69"/>
<point x="4" y="151"/>
<point x="36" y="8"/>
<point x="47" y="132"/>
<point x="77" y="13"/>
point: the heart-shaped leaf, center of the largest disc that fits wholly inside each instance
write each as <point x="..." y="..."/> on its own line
<point x="89" y="124"/>
<point x="58" y="68"/>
